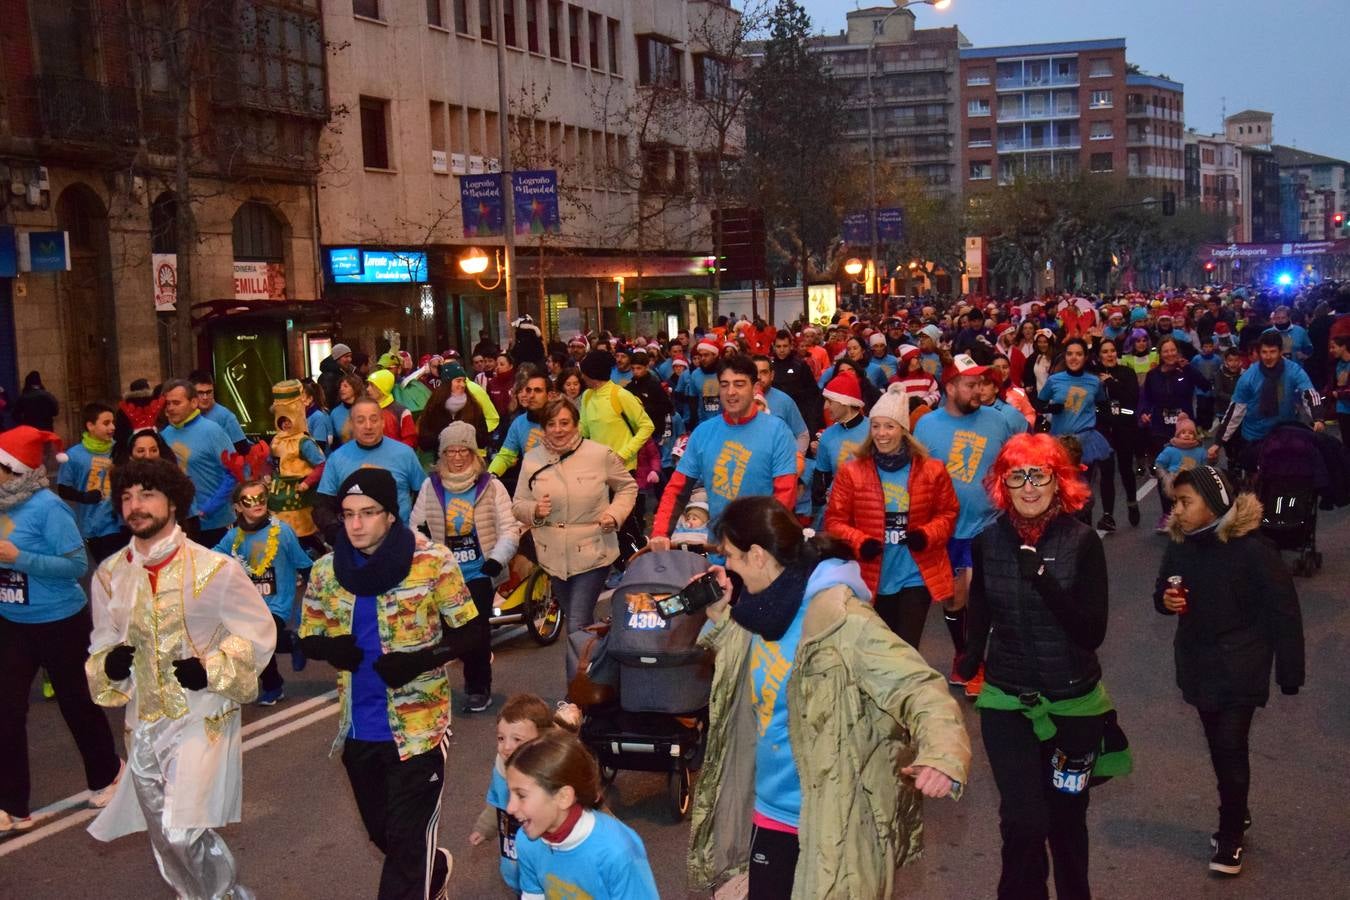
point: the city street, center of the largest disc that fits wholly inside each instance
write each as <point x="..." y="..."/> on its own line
<point x="300" y="836"/>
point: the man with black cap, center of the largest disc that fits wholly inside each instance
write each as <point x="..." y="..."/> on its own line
<point x="1237" y="610"/>
<point x="388" y="609"/>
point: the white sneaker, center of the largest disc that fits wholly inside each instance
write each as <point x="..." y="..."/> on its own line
<point x="10" y="824"/>
<point x="101" y="798"/>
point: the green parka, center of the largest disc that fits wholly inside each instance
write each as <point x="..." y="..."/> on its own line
<point x="862" y="704"/>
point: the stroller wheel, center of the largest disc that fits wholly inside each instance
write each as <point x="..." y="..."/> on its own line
<point x="607" y="775"/>
<point x="680" y="794"/>
<point x="543" y="615"/>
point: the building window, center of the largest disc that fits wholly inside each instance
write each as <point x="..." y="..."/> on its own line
<point x="1100" y="68"/>
<point x="977" y="77"/>
<point x="612" y="37"/>
<point x="258" y="233"/>
<point x="654" y="167"/>
<point x="164" y="224"/>
<point x="461" y="10"/>
<point x="679" y="184"/>
<point x="710" y="77"/>
<point x="977" y="107"/>
<point x="374" y="133"/>
<point x="981" y="170"/>
<point x="980" y="137"/>
<point x="659" y="63"/>
<point x="574" y="34"/>
<point x="1100" y="100"/>
<point x="555" y="28"/>
<point x="434" y="15"/>
<point x="1101" y="131"/>
<point x="593" y="40"/>
<point x="1101" y="163"/>
<point x="279" y="61"/>
<point x="369" y="9"/>
<point x="485" y="19"/>
<point x="532" y="25"/>
<point x="509" y="23"/>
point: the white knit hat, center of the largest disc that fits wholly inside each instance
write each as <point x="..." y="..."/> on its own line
<point x="894" y="404"/>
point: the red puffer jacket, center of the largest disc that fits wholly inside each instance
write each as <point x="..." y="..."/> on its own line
<point x="857" y="511"/>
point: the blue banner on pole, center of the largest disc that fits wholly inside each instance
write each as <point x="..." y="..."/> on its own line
<point x="9" y="252"/>
<point x="891" y="224"/>
<point x="856" y="228"/>
<point x="480" y="200"/>
<point x="535" y="195"/>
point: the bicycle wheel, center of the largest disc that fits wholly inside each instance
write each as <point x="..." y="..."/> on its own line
<point x="543" y="614"/>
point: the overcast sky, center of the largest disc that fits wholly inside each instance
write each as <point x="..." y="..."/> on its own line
<point x="1288" y="57"/>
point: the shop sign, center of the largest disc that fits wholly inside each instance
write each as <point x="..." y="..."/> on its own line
<point x="344" y="261"/>
<point x="254" y="280"/>
<point x="975" y="257"/>
<point x="480" y="200"/>
<point x="44" y="251"/>
<point x="535" y="195"/>
<point x="822" y="301"/>
<point x="378" y="266"/>
<point x="164" y="266"/>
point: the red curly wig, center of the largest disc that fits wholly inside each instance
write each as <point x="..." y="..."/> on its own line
<point x="1042" y="451"/>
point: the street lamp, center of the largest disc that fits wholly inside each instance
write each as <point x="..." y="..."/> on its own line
<point x="853" y="267"/>
<point x="474" y="262"/>
<point x="878" y="31"/>
<point x="507" y="273"/>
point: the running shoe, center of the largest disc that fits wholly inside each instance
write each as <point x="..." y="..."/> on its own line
<point x="1227" y="858"/>
<point x="270" y="698"/>
<point x="476" y="703"/>
<point x="48" y="692"/>
<point x="102" y="797"/>
<point x="1106" y="523"/>
<point x="976" y="684"/>
<point x="1246" y="826"/>
<point x="1161" y="527"/>
<point x="441" y="867"/>
<point x="10" y="824"/>
<point x="955" y="679"/>
<point x="1132" y="510"/>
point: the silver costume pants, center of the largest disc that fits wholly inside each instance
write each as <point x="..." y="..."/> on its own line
<point x="195" y="862"/>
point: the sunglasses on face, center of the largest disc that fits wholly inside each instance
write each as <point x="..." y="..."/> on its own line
<point x="1036" y="477"/>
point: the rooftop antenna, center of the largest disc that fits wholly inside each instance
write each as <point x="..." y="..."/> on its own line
<point x="1223" y="113"/>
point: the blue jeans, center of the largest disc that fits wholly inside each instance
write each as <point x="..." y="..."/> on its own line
<point x="577" y="596"/>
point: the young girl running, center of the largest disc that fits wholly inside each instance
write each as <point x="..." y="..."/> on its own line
<point x="569" y="847"/>
<point x="522" y="719"/>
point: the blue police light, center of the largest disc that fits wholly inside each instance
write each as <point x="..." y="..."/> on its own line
<point x="1284" y="279"/>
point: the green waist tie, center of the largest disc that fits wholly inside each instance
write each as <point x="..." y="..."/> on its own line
<point x="1040" y="709"/>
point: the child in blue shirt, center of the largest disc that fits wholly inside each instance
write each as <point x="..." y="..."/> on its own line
<point x="275" y="562"/>
<point x="523" y="718"/>
<point x="1183" y="452"/>
<point x="569" y="848"/>
<point x="83" y="482"/>
<point x="1207" y="362"/>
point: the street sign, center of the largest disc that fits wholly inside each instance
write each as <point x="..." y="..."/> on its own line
<point x="535" y="195"/>
<point x="891" y="225"/>
<point x="480" y="201"/>
<point x="856" y="228"/>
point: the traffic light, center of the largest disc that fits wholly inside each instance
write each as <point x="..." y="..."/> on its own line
<point x="1338" y="220"/>
<point x="1209" y="265"/>
<point x="1169" y="203"/>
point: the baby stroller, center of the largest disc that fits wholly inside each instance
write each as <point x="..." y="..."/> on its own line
<point x="1291" y="478"/>
<point x="659" y="721"/>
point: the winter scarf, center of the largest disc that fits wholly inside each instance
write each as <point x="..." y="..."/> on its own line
<point x="770" y="612"/>
<point x="457" y="483"/>
<point x="370" y="575"/>
<point x="892" y="462"/>
<point x="1031" y="529"/>
<point x="1272" y="381"/>
<point x="455" y="402"/>
<point x="21" y="487"/>
<point x="565" y="448"/>
<point x="95" y="445"/>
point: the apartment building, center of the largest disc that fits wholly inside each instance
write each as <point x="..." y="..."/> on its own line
<point x="1253" y="132"/>
<point x="597" y="91"/>
<point x="1053" y="109"/>
<point x="1154" y="131"/>
<point x="911" y="114"/>
<point x="1313" y="189"/>
<point x="1214" y="177"/>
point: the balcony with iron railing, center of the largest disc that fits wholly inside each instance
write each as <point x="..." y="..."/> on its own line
<point x="1040" y="113"/>
<point x="1025" y="83"/>
<point x="86" y="111"/>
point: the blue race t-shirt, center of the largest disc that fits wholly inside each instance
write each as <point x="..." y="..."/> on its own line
<point x="608" y="863"/>
<point x="898" y="568"/>
<point x="1343" y="382"/>
<point x="523" y="436"/>
<point x="227" y="420"/>
<point x="88" y="471"/>
<point x="370" y="695"/>
<point x="888" y="365"/>
<point x="968" y="444"/>
<point x="781" y="406"/>
<point x="498" y="797"/>
<point x="1295" y="382"/>
<point x="460" y="534"/>
<point x="673" y="432"/>
<point x="1079" y="395"/>
<point x="277" y="581"/>
<point x="397" y="459"/>
<point x="738" y="460"/>
<point x="620" y="378"/>
<point x="1207" y="366"/>
<point x="778" y="786"/>
<point x="320" y="427"/>
<point x="198" y="445"/>
<point x="703" y="387"/>
<point x="1017" y="423"/>
<point x="839" y="443"/>
<point x="42" y="525"/>
<point x="1171" y="458"/>
<point x="340" y="414"/>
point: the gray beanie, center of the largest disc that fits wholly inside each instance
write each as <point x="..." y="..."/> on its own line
<point x="340" y="350"/>
<point x="458" y="434"/>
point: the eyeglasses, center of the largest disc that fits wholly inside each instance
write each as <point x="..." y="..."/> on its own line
<point x="364" y="515"/>
<point x="457" y="451"/>
<point x="1037" y="478"/>
<point x="252" y="501"/>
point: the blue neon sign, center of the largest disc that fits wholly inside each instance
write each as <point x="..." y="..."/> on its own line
<point x="351" y="265"/>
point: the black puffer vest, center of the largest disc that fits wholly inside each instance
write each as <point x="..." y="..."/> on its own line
<point x="1028" y="650"/>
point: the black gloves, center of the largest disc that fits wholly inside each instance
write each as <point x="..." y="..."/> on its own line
<point x="1029" y="563"/>
<point x="1288" y="691"/>
<point x="871" y="548"/>
<point x="190" y="673"/>
<point x="340" y="652"/>
<point x="91" y="497"/>
<point x="397" y="669"/>
<point x="492" y="568"/>
<point x="916" y="541"/>
<point x="117" y="664"/>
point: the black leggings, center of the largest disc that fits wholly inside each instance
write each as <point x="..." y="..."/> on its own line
<point x="905" y="612"/>
<point x="1226" y="730"/>
<point x="773" y="864"/>
<point x="270" y="678"/>
<point x="1032" y="812"/>
<point x="1124" y="464"/>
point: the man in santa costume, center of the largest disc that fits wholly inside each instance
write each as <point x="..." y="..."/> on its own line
<point x="180" y="636"/>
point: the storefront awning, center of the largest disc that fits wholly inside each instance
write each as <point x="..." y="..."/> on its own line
<point x="213" y="310"/>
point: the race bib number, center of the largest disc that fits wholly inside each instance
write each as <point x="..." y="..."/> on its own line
<point x="1070" y="774"/>
<point x="712" y="405"/>
<point x="1170" y="416"/>
<point x="506" y="834"/>
<point x="642" y="614"/>
<point x="13" y="587"/>
<point x="1115" y="408"/>
<point x="897" y="524"/>
<point x="464" y="547"/>
<point x="266" y="583"/>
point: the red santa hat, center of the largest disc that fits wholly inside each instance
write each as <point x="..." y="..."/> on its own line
<point x="21" y="448"/>
<point x="844" y="388"/>
<point x="709" y="344"/>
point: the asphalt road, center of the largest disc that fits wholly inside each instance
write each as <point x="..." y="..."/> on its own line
<point x="300" y="836"/>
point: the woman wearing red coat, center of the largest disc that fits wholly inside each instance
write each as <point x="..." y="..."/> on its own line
<point x="895" y="505"/>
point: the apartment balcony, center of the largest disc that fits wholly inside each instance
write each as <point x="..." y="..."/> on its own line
<point x="1023" y="83"/>
<point x="1153" y="140"/>
<point x="1026" y="145"/>
<point x="1041" y="114"/>
<point x="913" y="126"/>
<point x="86" y="111"/>
<point x="1149" y="111"/>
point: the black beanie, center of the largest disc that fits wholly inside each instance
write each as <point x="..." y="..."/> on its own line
<point x="377" y="484"/>
<point x="597" y="365"/>
<point x="1213" y="488"/>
